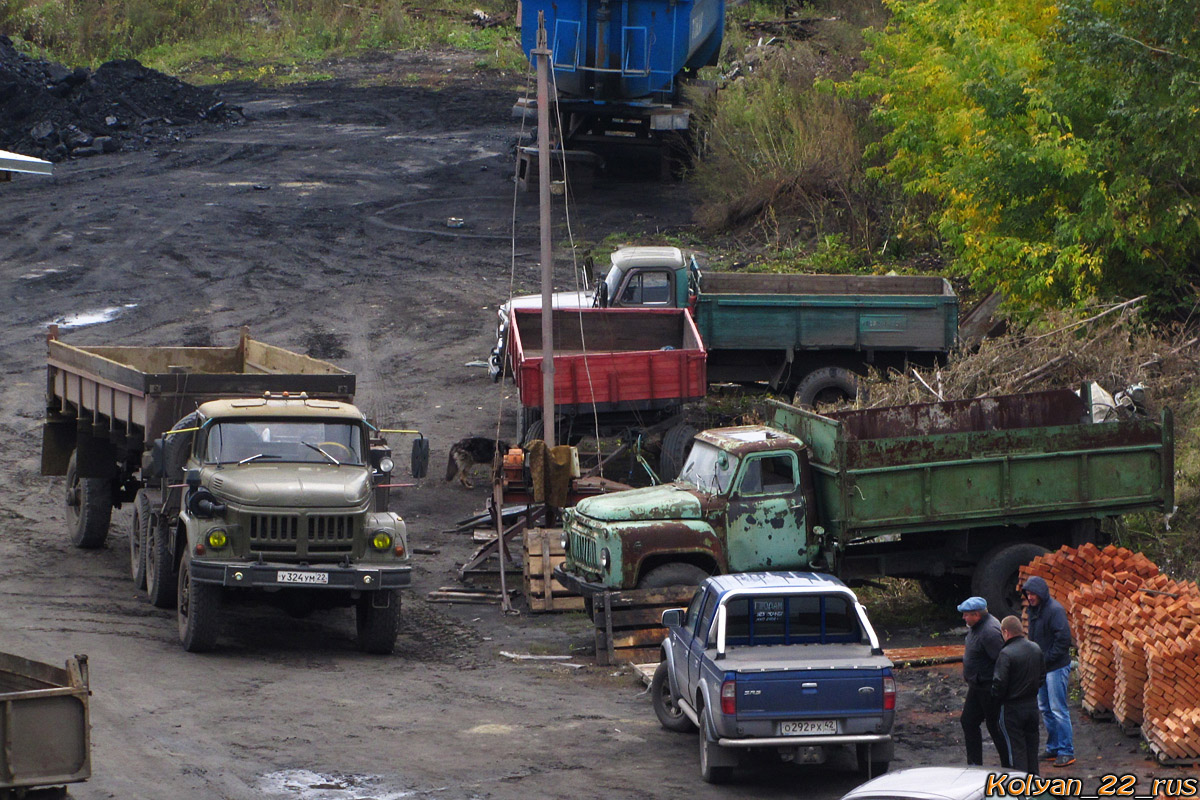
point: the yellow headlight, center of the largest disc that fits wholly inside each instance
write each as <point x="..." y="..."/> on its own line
<point x="217" y="538"/>
<point x="382" y="540"/>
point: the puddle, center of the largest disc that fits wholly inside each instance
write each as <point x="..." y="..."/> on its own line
<point x="85" y="318"/>
<point x="308" y="785"/>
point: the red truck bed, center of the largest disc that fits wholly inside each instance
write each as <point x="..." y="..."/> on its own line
<point x="617" y="359"/>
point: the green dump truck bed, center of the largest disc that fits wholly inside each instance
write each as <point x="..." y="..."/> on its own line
<point x="1008" y="460"/>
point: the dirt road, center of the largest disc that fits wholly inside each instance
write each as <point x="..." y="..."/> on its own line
<point x="321" y="224"/>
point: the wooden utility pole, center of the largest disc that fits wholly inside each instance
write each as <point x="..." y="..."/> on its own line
<point x="543" y="110"/>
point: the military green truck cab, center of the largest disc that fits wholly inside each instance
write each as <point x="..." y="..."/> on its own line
<point x="741" y="503"/>
<point x="280" y="501"/>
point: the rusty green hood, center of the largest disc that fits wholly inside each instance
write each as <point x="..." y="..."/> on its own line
<point x="670" y="501"/>
<point x="277" y="485"/>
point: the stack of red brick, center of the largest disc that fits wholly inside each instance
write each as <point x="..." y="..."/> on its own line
<point x="1138" y="636"/>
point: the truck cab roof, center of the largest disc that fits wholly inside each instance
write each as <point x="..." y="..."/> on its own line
<point x="644" y="256"/>
<point x="279" y="406"/>
<point x="746" y="439"/>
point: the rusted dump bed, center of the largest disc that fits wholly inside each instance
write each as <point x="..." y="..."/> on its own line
<point x="617" y="359"/>
<point x="130" y="395"/>
<point x="1003" y="460"/>
<point x="44" y="725"/>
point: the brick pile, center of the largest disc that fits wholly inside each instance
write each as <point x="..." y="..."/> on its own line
<point x="1067" y="568"/>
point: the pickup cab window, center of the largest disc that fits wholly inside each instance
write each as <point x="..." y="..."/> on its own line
<point x="791" y="619"/>
<point x="693" y="612"/>
<point x="769" y="474"/>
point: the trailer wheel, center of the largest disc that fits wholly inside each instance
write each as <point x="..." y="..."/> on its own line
<point x="673" y="574"/>
<point x="377" y="626"/>
<point x="826" y="386"/>
<point x="666" y="708"/>
<point x="160" y="566"/>
<point x="139" y="529"/>
<point x="198" y="610"/>
<point x="535" y="430"/>
<point x="676" y="445"/>
<point x="997" y="574"/>
<point x="89" y="507"/>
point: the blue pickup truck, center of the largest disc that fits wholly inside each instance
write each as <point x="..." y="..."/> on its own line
<point x="783" y="661"/>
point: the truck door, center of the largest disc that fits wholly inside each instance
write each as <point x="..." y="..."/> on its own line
<point x="765" y="525"/>
<point x="681" y="643"/>
<point x="647" y="288"/>
<point x="700" y="643"/>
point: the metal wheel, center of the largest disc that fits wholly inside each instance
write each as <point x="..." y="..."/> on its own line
<point x="89" y="507"/>
<point x="139" y="528"/>
<point x="198" y="610"/>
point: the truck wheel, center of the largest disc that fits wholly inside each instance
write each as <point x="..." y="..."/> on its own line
<point x="866" y="767"/>
<point x="535" y="430"/>
<point x="139" y="528"/>
<point x="946" y="590"/>
<point x="89" y="507"/>
<point x="198" y="610"/>
<point x="377" y="626"/>
<point x="160" y="567"/>
<point x="665" y="707"/>
<point x="676" y="445"/>
<point x="673" y="574"/>
<point x="826" y="386"/>
<point x="177" y="447"/>
<point x="708" y="749"/>
<point x="997" y="573"/>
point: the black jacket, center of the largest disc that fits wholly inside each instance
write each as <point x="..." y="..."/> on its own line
<point x="983" y="644"/>
<point x="1020" y="671"/>
<point x="1048" y="626"/>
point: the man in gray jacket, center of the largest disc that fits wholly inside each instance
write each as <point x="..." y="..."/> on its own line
<point x="983" y="644"/>
<point x="1051" y="631"/>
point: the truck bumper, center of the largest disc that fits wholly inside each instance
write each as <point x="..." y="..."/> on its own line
<point x="574" y="583"/>
<point x="800" y="741"/>
<point x="280" y="576"/>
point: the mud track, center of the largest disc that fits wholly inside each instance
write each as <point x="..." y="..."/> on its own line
<point x="321" y="224"/>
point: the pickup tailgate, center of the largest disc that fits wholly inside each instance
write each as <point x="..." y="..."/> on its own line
<point x="810" y="694"/>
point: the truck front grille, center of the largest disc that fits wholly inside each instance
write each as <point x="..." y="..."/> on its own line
<point x="583" y="550"/>
<point x="301" y="536"/>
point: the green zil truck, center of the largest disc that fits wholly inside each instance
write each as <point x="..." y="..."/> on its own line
<point x="958" y="495"/>
<point x="251" y="476"/>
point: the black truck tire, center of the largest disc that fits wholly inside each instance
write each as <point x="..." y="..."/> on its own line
<point x="535" y="430"/>
<point x="676" y="445"/>
<point x="89" y="507"/>
<point x="139" y="527"/>
<point x="160" y="566"/>
<point x="674" y="574"/>
<point x="177" y="447"/>
<point x="377" y="627"/>
<point x="708" y="748"/>
<point x="198" y="610"/>
<point x="946" y="590"/>
<point x="669" y="714"/>
<point x="997" y="573"/>
<point x="826" y="385"/>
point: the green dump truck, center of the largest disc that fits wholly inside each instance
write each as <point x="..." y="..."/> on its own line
<point x="251" y="476"/>
<point x="958" y="495"/>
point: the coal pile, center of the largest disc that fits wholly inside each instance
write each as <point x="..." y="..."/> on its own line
<point x="54" y="112"/>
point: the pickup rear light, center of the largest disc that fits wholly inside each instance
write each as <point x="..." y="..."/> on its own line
<point x="889" y="693"/>
<point x="729" y="697"/>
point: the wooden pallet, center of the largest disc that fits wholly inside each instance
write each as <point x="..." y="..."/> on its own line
<point x="629" y="623"/>
<point x="543" y="552"/>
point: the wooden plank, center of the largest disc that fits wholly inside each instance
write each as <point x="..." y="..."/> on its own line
<point x="567" y="603"/>
<point x="634" y="617"/>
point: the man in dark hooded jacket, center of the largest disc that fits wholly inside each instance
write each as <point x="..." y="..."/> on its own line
<point x="1050" y="630"/>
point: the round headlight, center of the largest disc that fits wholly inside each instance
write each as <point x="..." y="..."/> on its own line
<point x="386" y="464"/>
<point x="217" y="538"/>
<point x="604" y="558"/>
<point x="381" y="541"/>
<point x="565" y="541"/>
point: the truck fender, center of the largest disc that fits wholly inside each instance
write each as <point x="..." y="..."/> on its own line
<point x="670" y="659"/>
<point x="661" y="542"/>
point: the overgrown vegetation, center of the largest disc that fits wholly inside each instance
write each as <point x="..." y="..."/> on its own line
<point x="268" y="40"/>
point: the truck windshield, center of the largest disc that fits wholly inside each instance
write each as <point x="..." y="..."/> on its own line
<point x="791" y="619"/>
<point x="303" y="441"/>
<point x="709" y="468"/>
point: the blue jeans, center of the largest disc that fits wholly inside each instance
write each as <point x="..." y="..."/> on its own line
<point x="1052" y="702"/>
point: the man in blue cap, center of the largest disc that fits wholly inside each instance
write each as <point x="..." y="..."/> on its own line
<point x="983" y="645"/>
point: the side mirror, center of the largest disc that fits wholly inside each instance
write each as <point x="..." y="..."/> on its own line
<point x="602" y="294"/>
<point x="673" y="617"/>
<point x="420" y="457"/>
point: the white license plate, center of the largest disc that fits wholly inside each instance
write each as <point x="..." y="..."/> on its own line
<point x="808" y="727"/>
<point x="285" y="576"/>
